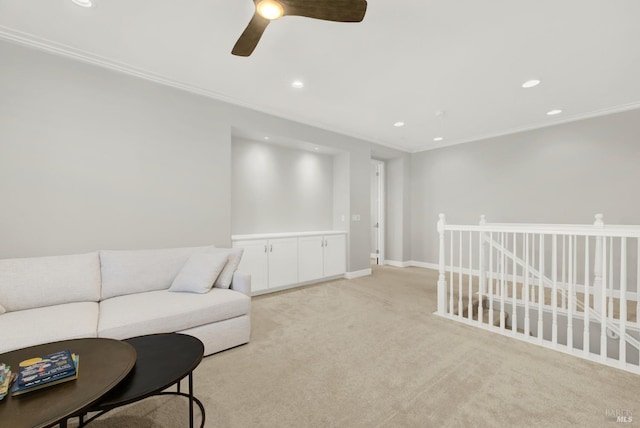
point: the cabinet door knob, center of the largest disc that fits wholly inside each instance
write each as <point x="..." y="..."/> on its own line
<point x="271" y="248"/>
<point x="265" y="248"/>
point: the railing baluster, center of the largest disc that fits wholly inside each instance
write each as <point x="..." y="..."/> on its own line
<point x="572" y="279"/>
<point x="502" y="281"/>
<point x="451" y="263"/>
<point x="442" y="280"/>
<point x="610" y="293"/>
<point x="623" y="302"/>
<point x="491" y="279"/>
<point x="514" y="291"/>
<point x="541" y="290"/>
<point x="587" y="299"/>
<point x="534" y="264"/>
<point x="460" y="274"/>
<point x="554" y="290"/>
<point x="527" y="322"/>
<point x="482" y="278"/>
<point x="638" y="283"/>
<point x="575" y="271"/>
<point x="564" y="271"/>
<point x="603" y="302"/>
<point x="470" y="301"/>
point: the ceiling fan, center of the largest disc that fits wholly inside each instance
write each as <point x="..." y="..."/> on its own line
<point x="269" y="10"/>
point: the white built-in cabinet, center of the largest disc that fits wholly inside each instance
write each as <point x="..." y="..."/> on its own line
<point x="321" y="256"/>
<point x="277" y="261"/>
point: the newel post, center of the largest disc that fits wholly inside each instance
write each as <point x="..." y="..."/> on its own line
<point x="597" y="265"/>
<point x="442" y="282"/>
<point x="482" y="260"/>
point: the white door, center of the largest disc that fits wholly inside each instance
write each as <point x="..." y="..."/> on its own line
<point x="310" y="258"/>
<point x="335" y="255"/>
<point x="283" y="262"/>
<point x="255" y="262"/>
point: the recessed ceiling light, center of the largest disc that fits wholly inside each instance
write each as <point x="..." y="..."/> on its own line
<point x="266" y="138"/>
<point x="316" y="148"/>
<point x="298" y="84"/>
<point x="270" y="9"/>
<point x="554" y="112"/>
<point x="398" y="124"/>
<point x="83" y="3"/>
<point x="438" y="139"/>
<point x="531" y="83"/>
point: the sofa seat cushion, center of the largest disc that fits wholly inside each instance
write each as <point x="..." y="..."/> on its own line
<point x="48" y="324"/>
<point x="162" y="311"/>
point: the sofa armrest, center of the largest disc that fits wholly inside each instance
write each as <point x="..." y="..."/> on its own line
<point x="241" y="282"/>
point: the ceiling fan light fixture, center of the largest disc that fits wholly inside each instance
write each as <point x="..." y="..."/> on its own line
<point x="270" y="9"/>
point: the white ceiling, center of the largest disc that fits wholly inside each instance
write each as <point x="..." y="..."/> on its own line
<point x="405" y="61"/>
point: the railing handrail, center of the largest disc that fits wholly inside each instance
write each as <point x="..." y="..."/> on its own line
<point x="550" y="229"/>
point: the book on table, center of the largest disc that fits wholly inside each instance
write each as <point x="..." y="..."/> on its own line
<point x="41" y="372"/>
<point x="6" y="377"/>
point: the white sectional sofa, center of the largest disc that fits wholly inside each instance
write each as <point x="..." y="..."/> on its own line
<point x="121" y="294"/>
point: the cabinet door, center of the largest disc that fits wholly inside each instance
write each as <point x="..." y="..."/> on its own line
<point x="283" y="262"/>
<point x="310" y="258"/>
<point x="335" y="255"/>
<point x="255" y="262"/>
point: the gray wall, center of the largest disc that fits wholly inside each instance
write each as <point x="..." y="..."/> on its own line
<point x="91" y="158"/>
<point x="398" y="209"/>
<point x="560" y="174"/>
<point x="277" y="189"/>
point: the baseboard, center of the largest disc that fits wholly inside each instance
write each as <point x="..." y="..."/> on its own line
<point x="425" y="265"/>
<point x="357" y="274"/>
<point x="395" y="263"/>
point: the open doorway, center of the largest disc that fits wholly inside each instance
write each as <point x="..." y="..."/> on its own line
<point x="377" y="212"/>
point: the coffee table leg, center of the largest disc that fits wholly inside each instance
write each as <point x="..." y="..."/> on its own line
<point x="191" y="400"/>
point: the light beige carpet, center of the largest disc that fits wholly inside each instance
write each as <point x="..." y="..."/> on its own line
<point x="369" y="352"/>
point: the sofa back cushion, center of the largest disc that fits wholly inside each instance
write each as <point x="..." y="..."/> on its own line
<point x="46" y="281"/>
<point x="128" y="272"/>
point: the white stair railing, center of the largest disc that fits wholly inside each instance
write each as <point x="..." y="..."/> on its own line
<point x="573" y="288"/>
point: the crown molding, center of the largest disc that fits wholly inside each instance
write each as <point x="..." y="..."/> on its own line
<point x="575" y="118"/>
<point x="50" y="46"/>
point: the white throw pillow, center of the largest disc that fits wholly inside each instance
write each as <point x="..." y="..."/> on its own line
<point x="2" y="310"/>
<point x="199" y="273"/>
<point x="226" y="276"/>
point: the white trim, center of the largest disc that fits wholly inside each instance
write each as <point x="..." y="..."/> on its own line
<point x="373" y="256"/>
<point x="540" y="125"/>
<point x="295" y="285"/>
<point x="398" y="264"/>
<point x="381" y="178"/>
<point x="425" y="265"/>
<point x="31" y="40"/>
<point x="84" y="56"/>
<point x="285" y="235"/>
<point x="357" y="274"/>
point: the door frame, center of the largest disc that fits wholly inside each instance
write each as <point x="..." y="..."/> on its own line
<point x="381" y="211"/>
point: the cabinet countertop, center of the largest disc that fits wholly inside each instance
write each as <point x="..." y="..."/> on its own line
<point x="285" y="235"/>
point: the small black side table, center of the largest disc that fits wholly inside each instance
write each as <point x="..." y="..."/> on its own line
<point x="163" y="360"/>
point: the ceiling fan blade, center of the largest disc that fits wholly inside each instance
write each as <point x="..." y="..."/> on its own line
<point x="250" y="36"/>
<point x="328" y="10"/>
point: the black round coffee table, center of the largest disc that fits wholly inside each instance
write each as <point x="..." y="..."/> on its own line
<point x="162" y="360"/>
